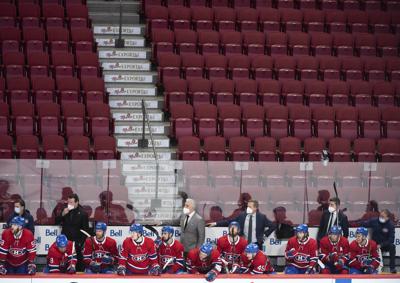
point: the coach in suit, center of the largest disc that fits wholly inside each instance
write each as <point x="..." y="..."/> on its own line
<point x="253" y="224"/>
<point x="192" y="226"/>
<point x="333" y="216"/>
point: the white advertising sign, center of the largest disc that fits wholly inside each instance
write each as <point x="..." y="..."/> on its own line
<point x="127" y="142"/>
<point x="104" y="29"/>
<point x="146" y="167"/>
<point x="119" y="54"/>
<point x="131" y="116"/>
<point x="131" y="91"/>
<point x="137" y="104"/>
<point x="140" y="155"/>
<point x="151" y="190"/>
<point x="110" y="42"/>
<point x="125" y="66"/>
<point x="150" y="179"/>
<point x="128" y="78"/>
<point x="138" y="129"/>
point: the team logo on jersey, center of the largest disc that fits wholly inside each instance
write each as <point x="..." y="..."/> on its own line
<point x="16" y="252"/>
<point x="164" y="259"/>
<point x="302" y="258"/>
<point x="231" y="257"/>
<point x="98" y="254"/>
<point x="139" y="258"/>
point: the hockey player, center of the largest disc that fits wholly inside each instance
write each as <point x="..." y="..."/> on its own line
<point x="204" y="260"/>
<point x="100" y="252"/>
<point x="231" y="247"/>
<point x="61" y="257"/>
<point x="17" y="249"/>
<point x="301" y="252"/>
<point x="364" y="257"/>
<point x="170" y="252"/>
<point x="138" y="254"/>
<point x="254" y="261"/>
<point x="334" y="252"/>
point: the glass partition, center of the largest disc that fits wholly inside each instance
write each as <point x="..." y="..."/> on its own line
<point x="123" y="192"/>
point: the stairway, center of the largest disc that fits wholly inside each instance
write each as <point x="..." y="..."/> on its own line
<point x="130" y="78"/>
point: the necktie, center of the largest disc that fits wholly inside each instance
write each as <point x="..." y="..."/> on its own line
<point x="186" y="222"/>
<point x="249" y="233"/>
<point x="329" y="223"/>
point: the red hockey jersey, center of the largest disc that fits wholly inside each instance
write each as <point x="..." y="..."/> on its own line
<point x="359" y="255"/>
<point x="305" y="253"/>
<point x="138" y="258"/>
<point x="175" y="251"/>
<point x="195" y="265"/>
<point x="258" y="265"/>
<point x="57" y="261"/>
<point x="331" y="252"/>
<point x="106" y="248"/>
<point x="17" y="250"/>
<point x="231" y="251"/>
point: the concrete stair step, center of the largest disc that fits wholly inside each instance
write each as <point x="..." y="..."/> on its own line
<point x="136" y="115"/>
<point x="135" y="128"/>
<point x="130" y="104"/>
<point x="132" y="142"/>
<point x="130" y="77"/>
<point x="134" y="65"/>
<point x="130" y="41"/>
<point x="113" y="6"/>
<point x="145" y="154"/>
<point x="112" y="17"/>
<point x="113" y="29"/>
<point x="131" y="90"/>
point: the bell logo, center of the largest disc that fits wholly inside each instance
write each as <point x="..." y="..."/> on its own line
<point x="115" y="233"/>
<point x="51" y="232"/>
<point x="274" y="242"/>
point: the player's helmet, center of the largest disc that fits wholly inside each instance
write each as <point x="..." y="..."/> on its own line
<point x="61" y="241"/>
<point x="234" y="223"/>
<point x="251" y="249"/>
<point x="18" y="220"/>
<point x="302" y="228"/>
<point x="167" y="229"/>
<point x="101" y="226"/>
<point x="206" y="249"/>
<point x="362" y="230"/>
<point x="137" y="228"/>
<point x="335" y="230"/>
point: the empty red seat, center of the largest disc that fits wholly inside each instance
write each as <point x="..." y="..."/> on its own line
<point x="215" y="66"/>
<point x="364" y="150"/>
<point x="74" y="10"/>
<point x="387" y="44"/>
<point x="352" y="68"/>
<point x="269" y="19"/>
<point x="391" y="122"/>
<point x="300" y="119"/>
<point x="169" y="65"/>
<point x="238" y="66"/>
<point x="231" y="42"/>
<point x="307" y="68"/>
<point x="10" y="33"/>
<point x="335" y="20"/>
<point x="68" y="89"/>
<point x="384" y="93"/>
<point x="23" y="118"/>
<point x="290" y="149"/>
<point x="199" y="91"/>
<point x="369" y="119"/>
<point x="214" y="148"/>
<point x="74" y="119"/>
<point x="8" y="9"/>
<point x="365" y="44"/>
<point x="100" y="121"/>
<point x="375" y="68"/>
<point x="343" y="44"/>
<point x="224" y="18"/>
<point x="291" y="19"/>
<point x="58" y="38"/>
<point x="6" y="147"/>
<point x="79" y="147"/>
<point x="277" y="121"/>
<point x="276" y="43"/>
<point x="4" y="118"/>
<point x="361" y="93"/>
<point x="329" y="67"/>
<point x="87" y="63"/>
<point x="247" y="18"/>
<point x="181" y="120"/>
<point x="185" y="41"/>
<point x="379" y="22"/>
<point x="208" y="41"/>
<point x="188" y="148"/>
<point x="48" y="118"/>
<point x="393" y="68"/>
<point x="43" y="89"/>
<point x="229" y="117"/>
<point x="206" y="120"/>
<point x="29" y="13"/>
<point x="202" y="18"/>
<point x="175" y="91"/>
<point x="261" y="67"/>
<point x="346" y="119"/>
<point x="313" y="20"/>
<point x="239" y="149"/>
<point x="321" y="43"/>
<point x="264" y="149"/>
<point x="269" y="92"/>
<point x="18" y="89"/>
<point x="293" y="92"/>
<point x="315" y="92"/>
<point x="357" y="21"/>
<point x="338" y="93"/>
<point x="253" y="43"/>
<point x="389" y="150"/>
<point x="285" y="67"/>
<point x="298" y="43"/>
<point x="339" y="149"/>
<point x="324" y="122"/>
<point x="82" y="38"/>
<point x="179" y="17"/>
<point x="253" y="121"/>
<point x="313" y="147"/>
<point x="93" y="89"/>
<point x="28" y="147"/>
<point x="192" y="65"/>
<point x="39" y="63"/>
<point x="162" y="41"/>
<point x="53" y="147"/>
<point x="246" y="92"/>
<point x="156" y="17"/>
<point x="104" y="147"/>
<point x="223" y="91"/>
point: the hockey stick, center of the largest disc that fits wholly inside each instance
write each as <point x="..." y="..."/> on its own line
<point x="337" y="196"/>
<point x="171" y="259"/>
<point x="152" y="229"/>
<point x="225" y="265"/>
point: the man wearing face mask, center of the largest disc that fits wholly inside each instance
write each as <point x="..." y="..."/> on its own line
<point x="253" y="224"/>
<point x="231" y="247"/>
<point x="170" y="252"/>
<point x="73" y="218"/>
<point x="331" y="217"/>
<point x="19" y="210"/>
<point x="383" y="234"/>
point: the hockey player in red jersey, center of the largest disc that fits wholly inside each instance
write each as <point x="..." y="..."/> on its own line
<point x="204" y="260"/>
<point x="254" y="261"/>
<point x="100" y="252"/>
<point x="170" y="252"/>
<point x="138" y="254"/>
<point x="61" y="257"/>
<point x="334" y="252"/>
<point x="231" y="247"/>
<point x="301" y="252"/>
<point x="364" y="258"/>
<point x="17" y="249"/>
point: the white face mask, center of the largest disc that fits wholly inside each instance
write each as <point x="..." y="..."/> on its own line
<point x="249" y="210"/>
<point x="331" y="209"/>
<point x="17" y="210"/>
<point x="382" y="220"/>
<point x="186" y="211"/>
<point x="71" y="207"/>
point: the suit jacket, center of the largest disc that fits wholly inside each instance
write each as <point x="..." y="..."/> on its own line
<point x="343" y="222"/>
<point x="194" y="234"/>
<point x="264" y="227"/>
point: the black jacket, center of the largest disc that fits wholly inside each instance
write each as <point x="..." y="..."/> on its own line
<point x="343" y="222"/>
<point x="382" y="233"/>
<point x="72" y="222"/>
<point x="29" y="223"/>
<point x="264" y="227"/>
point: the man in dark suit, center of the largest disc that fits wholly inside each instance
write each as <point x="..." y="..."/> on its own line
<point x="253" y="224"/>
<point x="331" y="217"/>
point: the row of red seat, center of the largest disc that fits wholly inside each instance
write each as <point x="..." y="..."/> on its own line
<point x="289" y="149"/>
<point x="255" y="43"/>
<point x="300" y="4"/>
<point x="279" y="121"/>
<point x="268" y="19"/>
<point x="49" y="119"/>
<point x="53" y="147"/>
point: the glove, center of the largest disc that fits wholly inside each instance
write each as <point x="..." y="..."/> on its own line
<point x="211" y="275"/>
<point x="339" y="264"/>
<point x="155" y="270"/>
<point x="366" y="262"/>
<point x="31" y="269"/>
<point x="333" y="257"/>
<point x="157" y="242"/>
<point x="71" y="269"/>
<point x="310" y="270"/>
<point x="3" y="270"/>
<point x="235" y="269"/>
<point x="290" y="254"/>
<point x="94" y="266"/>
<point x="107" y="260"/>
<point x="369" y="269"/>
<point x="121" y="270"/>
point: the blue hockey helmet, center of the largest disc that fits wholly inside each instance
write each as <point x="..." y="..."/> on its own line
<point x="167" y="229"/>
<point x="234" y="223"/>
<point x="61" y="241"/>
<point x="206" y="249"/>
<point x="302" y="228"/>
<point x="362" y="230"/>
<point x="138" y="228"/>
<point x="251" y="249"/>
<point x="18" y="220"/>
<point x="101" y="226"/>
<point x="335" y="230"/>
